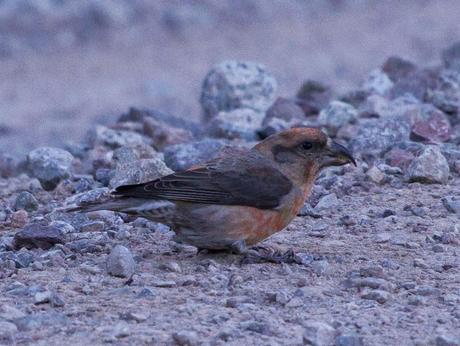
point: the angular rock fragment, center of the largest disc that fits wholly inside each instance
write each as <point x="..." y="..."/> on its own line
<point x="281" y="115"/>
<point x="336" y="115"/>
<point x="49" y="165"/>
<point x="120" y="262"/>
<point x="429" y="167"/>
<point x="237" y="84"/>
<point x="313" y="96"/>
<point x="241" y="123"/>
<point x="182" y="156"/>
<point x="38" y="236"/>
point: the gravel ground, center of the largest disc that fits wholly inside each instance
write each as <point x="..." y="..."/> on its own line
<point x="377" y="245"/>
<point x="381" y="280"/>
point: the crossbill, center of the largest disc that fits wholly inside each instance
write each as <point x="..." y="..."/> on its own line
<point x="237" y="200"/>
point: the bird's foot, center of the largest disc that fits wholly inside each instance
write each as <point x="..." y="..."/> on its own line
<point x="262" y="254"/>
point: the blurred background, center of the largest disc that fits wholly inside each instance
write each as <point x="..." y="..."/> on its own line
<point x="68" y="65"/>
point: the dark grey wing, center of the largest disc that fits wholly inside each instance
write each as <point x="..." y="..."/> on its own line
<point x="249" y="181"/>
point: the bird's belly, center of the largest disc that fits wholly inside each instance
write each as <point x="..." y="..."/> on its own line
<point x="219" y="226"/>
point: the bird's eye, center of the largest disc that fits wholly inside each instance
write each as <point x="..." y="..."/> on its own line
<point x="307" y="145"/>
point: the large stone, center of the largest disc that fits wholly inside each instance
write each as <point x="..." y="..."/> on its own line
<point x="375" y="136"/>
<point x="313" y="96"/>
<point x="336" y="115"/>
<point x="182" y="156"/>
<point x="318" y="334"/>
<point x="416" y="84"/>
<point x="452" y="153"/>
<point x="378" y="82"/>
<point x="49" y="165"/>
<point x="26" y="201"/>
<point x="398" y="68"/>
<point x="113" y="139"/>
<point x="120" y="262"/>
<point x="128" y="154"/>
<point x="452" y="204"/>
<point x="445" y="94"/>
<point x="38" y="236"/>
<point x="241" y="123"/>
<point x="237" y="84"/>
<point x="7" y="332"/>
<point x="163" y="134"/>
<point x="429" y="167"/>
<point x="281" y="115"/>
<point x="401" y="158"/>
<point x="140" y="171"/>
<point x="431" y="125"/>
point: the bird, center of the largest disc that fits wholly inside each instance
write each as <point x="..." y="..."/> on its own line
<point x="237" y="200"/>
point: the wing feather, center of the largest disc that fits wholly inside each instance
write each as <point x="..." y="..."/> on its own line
<point x="250" y="180"/>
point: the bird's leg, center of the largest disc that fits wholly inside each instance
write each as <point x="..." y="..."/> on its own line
<point x="261" y="254"/>
<point x="238" y="247"/>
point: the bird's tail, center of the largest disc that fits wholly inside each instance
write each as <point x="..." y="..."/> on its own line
<point x="123" y="204"/>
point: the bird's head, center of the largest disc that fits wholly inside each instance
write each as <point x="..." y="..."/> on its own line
<point x="304" y="151"/>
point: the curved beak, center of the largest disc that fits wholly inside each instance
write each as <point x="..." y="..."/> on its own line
<point x="338" y="155"/>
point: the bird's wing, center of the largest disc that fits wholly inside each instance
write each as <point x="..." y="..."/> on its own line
<point x="249" y="181"/>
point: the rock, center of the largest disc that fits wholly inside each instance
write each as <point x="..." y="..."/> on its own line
<point x="398" y="68"/>
<point x="172" y="267"/>
<point x="451" y="56"/>
<point x="452" y="204"/>
<point x="92" y="226"/>
<point x="378" y="295"/>
<point x="336" y="115"/>
<point x="445" y="94"/>
<point x="326" y="202"/>
<point x="376" y="175"/>
<point x="377" y="82"/>
<point x="10" y="313"/>
<point x="120" y="262"/>
<point x="40" y="321"/>
<point x="129" y="154"/>
<point x="313" y="96"/>
<point x="318" y="333"/>
<point x="375" y="106"/>
<point x="349" y="340"/>
<point x="49" y="165"/>
<point x="416" y="84"/>
<point x="375" y="136"/>
<point x="7" y="332"/>
<point x="281" y="115"/>
<point x="121" y="330"/>
<point x="399" y="158"/>
<point x="182" y="156"/>
<point x="429" y="167"/>
<point x="113" y="139"/>
<point x="452" y="153"/>
<point x="186" y="338"/>
<point x="431" y="125"/>
<point x="8" y="165"/>
<point x="48" y="297"/>
<point x="163" y="135"/>
<point x="237" y="84"/>
<point x="438" y="248"/>
<point x="134" y="316"/>
<point x="140" y="171"/>
<point x="320" y="267"/>
<point x="447" y="340"/>
<point x="19" y="219"/>
<point x="241" y="123"/>
<point x="26" y="201"/>
<point x="38" y="236"/>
